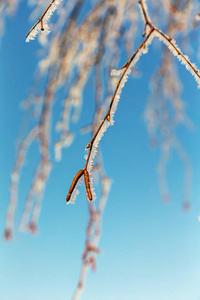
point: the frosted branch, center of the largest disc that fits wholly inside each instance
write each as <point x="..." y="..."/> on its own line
<point x="42" y="23"/>
<point x="109" y="117"/>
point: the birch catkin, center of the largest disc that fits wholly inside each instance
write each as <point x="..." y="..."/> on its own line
<point x="74" y="182"/>
<point x="87" y="184"/>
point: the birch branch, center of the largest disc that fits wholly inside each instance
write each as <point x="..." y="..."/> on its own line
<point x="108" y="118"/>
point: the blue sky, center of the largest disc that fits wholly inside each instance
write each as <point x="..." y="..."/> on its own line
<point x="150" y="249"/>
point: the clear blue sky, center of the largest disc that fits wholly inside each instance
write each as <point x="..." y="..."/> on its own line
<point x="151" y="250"/>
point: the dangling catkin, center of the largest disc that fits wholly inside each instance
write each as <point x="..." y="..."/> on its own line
<point x="87" y="184"/>
<point x="74" y="182"/>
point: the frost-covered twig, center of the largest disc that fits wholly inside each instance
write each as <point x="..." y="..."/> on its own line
<point x="171" y="44"/>
<point x="41" y="24"/>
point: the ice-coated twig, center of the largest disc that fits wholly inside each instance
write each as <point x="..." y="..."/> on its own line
<point x="42" y="23"/>
<point x="171" y="44"/>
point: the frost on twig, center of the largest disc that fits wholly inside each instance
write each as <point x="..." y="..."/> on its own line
<point x="42" y="23"/>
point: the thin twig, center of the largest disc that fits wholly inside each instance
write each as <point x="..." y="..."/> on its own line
<point x="40" y="19"/>
<point x="168" y="40"/>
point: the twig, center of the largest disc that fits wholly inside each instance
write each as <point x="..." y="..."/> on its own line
<point x="40" y="19"/>
<point x="171" y="45"/>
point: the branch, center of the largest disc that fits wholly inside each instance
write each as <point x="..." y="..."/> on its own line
<point x="125" y="70"/>
<point x="40" y="19"/>
<point x="171" y="44"/>
<point x="108" y="118"/>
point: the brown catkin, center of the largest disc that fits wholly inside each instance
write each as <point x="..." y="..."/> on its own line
<point x="87" y="184"/>
<point x="74" y="182"/>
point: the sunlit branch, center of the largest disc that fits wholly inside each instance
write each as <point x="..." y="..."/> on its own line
<point x="107" y="117"/>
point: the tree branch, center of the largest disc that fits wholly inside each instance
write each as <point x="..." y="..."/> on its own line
<point x="108" y="118"/>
